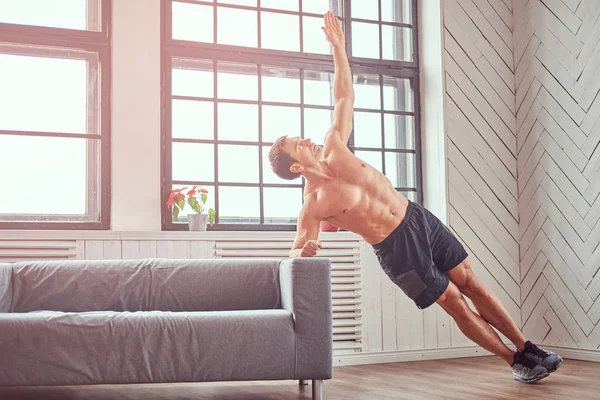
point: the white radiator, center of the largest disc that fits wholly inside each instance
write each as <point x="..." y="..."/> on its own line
<point x="345" y="280"/>
<point x="31" y="250"/>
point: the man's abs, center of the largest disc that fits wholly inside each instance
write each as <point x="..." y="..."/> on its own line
<point x="373" y="214"/>
<point x="360" y="198"/>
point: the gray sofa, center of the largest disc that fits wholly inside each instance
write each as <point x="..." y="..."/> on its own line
<point x="160" y="320"/>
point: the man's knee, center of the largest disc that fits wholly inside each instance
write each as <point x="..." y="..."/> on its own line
<point x="469" y="284"/>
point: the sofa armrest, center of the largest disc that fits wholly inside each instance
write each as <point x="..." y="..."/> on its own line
<point x="5" y="287"/>
<point x="306" y="293"/>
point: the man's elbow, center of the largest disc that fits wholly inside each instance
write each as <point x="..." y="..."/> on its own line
<point x="349" y="94"/>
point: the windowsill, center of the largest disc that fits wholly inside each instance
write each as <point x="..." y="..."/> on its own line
<point x="165" y="235"/>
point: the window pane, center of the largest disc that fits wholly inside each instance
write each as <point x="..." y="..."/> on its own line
<point x="268" y="174"/>
<point x="236" y="27"/>
<point x="193" y="22"/>
<point x="210" y="202"/>
<point x="316" y="124"/>
<point x="67" y="14"/>
<point x="412" y="196"/>
<point x="280" y="85"/>
<point x="313" y="36"/>
<point x="193" y="162"/>
<point x="365" y="40"/>
<point x="55" y="183"/>
<point x="282" y="205"/>
<point x="365" y="9"/>
<point x="238" y="122"/>
<point x="45" y="94"/>
<point x="318" y="88"/>
<point x="250" y="3"/>
<point x="196" y="79"/>
<point x="400" y="168"/>
<point x="367" y="129"/>
<point x="321" y="6"/>
<point x="278" y="121"/>
<point x="399" y="131"/>
<point x="237" y="81"/>
<point x="238" y="163"/>
<point x="367" y="91"/>
<point x="272" y="26"/>
<point x="239" y="204"/>
<point x="397" y="94"/>
<point x="290" y="5"/>
<point x="193" y="119"/>
<point x="373" y="158"/>
<point x="396" y="11"/>
<point x="397" y="43"/>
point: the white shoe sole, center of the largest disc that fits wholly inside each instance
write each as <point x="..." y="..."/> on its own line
<point x="532" y="380"/>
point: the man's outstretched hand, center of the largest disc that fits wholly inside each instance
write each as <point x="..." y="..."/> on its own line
<point x="333" y="30"/>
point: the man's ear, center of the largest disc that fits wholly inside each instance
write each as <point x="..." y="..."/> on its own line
<point x="296" y="168"/>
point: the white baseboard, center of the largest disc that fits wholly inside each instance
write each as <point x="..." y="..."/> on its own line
<point x="381" y="357"/>
<point x="575" y="353"/>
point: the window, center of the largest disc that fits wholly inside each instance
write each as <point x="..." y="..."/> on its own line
<point x="237" y="74"/>
<point x="54" y="114"/>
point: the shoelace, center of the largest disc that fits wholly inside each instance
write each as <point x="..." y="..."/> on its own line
<point x="538" y="352"/>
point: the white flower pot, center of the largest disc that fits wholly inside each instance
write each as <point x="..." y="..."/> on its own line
<point x="197" y="222"/>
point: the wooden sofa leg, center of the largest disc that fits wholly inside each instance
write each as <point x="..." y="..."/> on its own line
<point x="303" y="382"/>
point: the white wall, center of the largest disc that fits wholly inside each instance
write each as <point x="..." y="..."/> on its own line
<point x="557" y="79"/>
<point x="522" y="79"/>
<point x="481" y="145"/>
<point x="136" y="198"/>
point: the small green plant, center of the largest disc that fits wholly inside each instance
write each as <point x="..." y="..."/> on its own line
<point x="196" y="197"/>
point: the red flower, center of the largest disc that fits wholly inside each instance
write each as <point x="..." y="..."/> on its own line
<point x="175" y="196"/>
<point x="192" y="191"/>
<point x="203" y="190"/>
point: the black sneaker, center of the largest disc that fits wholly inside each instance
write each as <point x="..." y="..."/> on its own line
<point x="551" y="361"/>
<point x="526" y="370"/>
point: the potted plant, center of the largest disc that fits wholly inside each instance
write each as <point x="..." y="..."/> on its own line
<point x="196" y="198"/>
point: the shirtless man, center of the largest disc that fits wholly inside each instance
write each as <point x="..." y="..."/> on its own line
<point x="415" y="249"/>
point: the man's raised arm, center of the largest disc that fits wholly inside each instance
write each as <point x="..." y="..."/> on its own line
<point x="343" y="90"/>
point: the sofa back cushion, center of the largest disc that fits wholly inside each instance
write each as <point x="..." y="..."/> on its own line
<point x="149" y="284"/>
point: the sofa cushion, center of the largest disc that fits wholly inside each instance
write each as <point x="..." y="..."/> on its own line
<point x="144" y="285"/>
<point x="57" y="348"/>
<point x="5" y="287"/>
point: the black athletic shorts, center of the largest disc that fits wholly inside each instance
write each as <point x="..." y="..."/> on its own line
<point x="418" y="253"/>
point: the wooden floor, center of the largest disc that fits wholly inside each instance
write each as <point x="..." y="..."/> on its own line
<point x="465" y="379"/>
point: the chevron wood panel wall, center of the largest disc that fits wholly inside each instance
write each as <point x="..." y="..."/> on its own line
<point x="557" y="79"/>
<point x="481" y="127"/>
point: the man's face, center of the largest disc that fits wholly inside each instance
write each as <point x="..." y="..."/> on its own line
<point x="304" y="151"/>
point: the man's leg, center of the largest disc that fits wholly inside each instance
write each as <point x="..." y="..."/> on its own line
<point x="473" y="325"/>
<point x="486" y="303"/>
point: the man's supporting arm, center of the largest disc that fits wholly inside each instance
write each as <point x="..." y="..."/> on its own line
<point x="307" y="234"/>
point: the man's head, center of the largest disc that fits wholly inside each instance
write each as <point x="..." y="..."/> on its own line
<point x="289" y="157"/>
